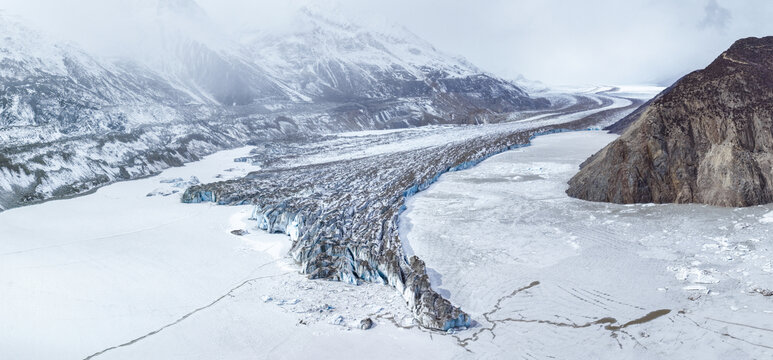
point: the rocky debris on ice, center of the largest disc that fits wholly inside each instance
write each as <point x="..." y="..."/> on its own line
<point x="171" y="181"/>
<point x="323" y="308"/>
<point x="283" y="302"/>
<point x="764" y="292"/>
<point x="175" y="184"/>
<point x="338" y="320"/>
<point x="181" y="183"/>
<point x="162" y="192"/>
<point x="239" y="232"/>
<point x="366" y="323"/>
<point x="694" y="275"/>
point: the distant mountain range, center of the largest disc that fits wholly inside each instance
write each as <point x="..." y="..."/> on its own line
<point x="71" y="121"/>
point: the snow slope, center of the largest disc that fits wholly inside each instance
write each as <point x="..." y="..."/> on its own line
<point x="321" y="57"/>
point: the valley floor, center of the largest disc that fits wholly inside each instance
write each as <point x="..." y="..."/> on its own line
<point x="130" y="272"/>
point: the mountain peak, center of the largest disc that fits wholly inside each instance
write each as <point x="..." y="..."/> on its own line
<point x="751" y="50"/>
<point x="182" y="8"/>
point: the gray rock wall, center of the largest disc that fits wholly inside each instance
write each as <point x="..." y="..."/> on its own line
<point x="708" y="139"/>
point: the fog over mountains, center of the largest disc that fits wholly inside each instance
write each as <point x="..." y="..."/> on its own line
<point x="72" y="119"/>
<point x="590" y="42"/>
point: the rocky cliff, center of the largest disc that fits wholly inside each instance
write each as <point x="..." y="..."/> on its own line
<point x="708" y="139"/>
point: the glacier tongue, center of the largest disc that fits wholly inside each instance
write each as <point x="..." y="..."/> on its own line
<point x="342" y="210"/>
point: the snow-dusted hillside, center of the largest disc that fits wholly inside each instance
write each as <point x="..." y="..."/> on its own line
<point x="324" y="58"/>
<point x="335" y="60"/>
<point x="62" y="91"/>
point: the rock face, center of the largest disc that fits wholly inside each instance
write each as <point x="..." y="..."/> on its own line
<point x="366" y="324"/>
<point x="708" y="139"/>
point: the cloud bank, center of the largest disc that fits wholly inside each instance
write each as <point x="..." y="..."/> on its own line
<point x="554" y="41"/>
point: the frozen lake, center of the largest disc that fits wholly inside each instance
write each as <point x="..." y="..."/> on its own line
<point x="546" y="275"/>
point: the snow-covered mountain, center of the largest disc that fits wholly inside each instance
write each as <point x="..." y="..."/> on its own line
<point x="56" y="89"/>
<point x="330" y="60"/>
<point x="189" y="51"/>
<point x="71" y="120"/>
<point x="326" y="59"/>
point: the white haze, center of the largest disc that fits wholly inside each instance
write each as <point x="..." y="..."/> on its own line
<point x="554" y="41"/>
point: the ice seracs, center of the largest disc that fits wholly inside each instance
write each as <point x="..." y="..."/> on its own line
<point x="341" y="200"/>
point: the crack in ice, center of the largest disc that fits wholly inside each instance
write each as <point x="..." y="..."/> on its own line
<point x="227" y="294"/>
<point x="498" y="306"/>
<point x="608" y="322"/>
<point x="726" y="334"/>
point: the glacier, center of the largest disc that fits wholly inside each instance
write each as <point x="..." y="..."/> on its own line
<point x="336" y="203"/>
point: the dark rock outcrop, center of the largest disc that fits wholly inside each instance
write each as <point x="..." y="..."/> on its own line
<point x="707" y="139"/>
<point x="366" y="324"/>
<point x="764" y="292"/>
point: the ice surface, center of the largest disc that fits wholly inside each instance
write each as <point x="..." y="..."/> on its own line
<point x="82" y="275"/>
<point x="767" y="218"/>
<point x="546" y="275"/>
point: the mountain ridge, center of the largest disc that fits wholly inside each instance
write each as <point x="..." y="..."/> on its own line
<point x="707" y="139"/>
<point x="71" y="120"/>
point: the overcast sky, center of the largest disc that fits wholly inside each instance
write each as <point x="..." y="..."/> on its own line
<point x="554" y="41"/>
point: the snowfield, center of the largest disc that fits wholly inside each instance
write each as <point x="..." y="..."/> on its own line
<point x="548" y="276"/>
<point x="120" y="274"/>
<point x="84" y="275"/>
